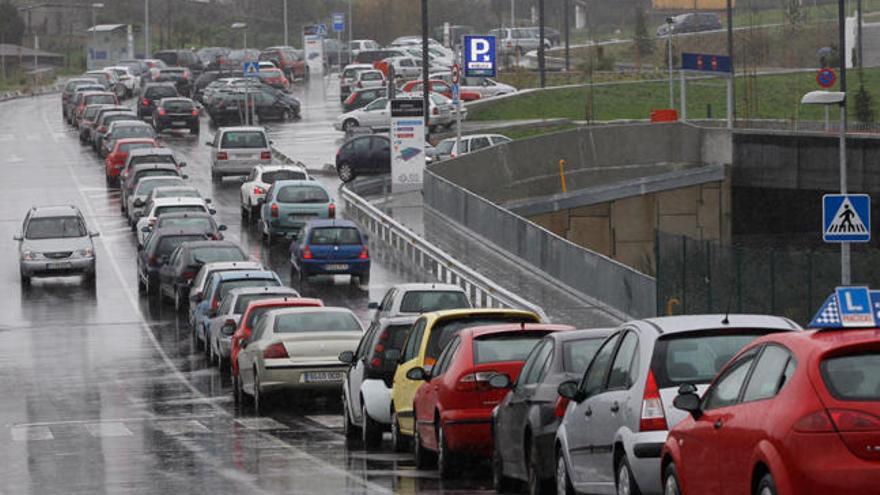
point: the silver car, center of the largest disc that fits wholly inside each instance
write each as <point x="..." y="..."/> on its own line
<point x="54" y="241"/>
<point x="138" y="199"/>
<point x="415" y="299"/>
<point x="621" y="411"/>
<point x="195" y="295"/>
<point x="236" y="150"/>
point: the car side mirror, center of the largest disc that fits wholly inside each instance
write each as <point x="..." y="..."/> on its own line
<point x="184" y="177"/>
<point x="208" y="200"/>
<point x="261" y="201"/>
<point x="373" y="305"/>
<point x="243" y="344"/>
<point x="94" y="233"/>
<point x="570" y="391"/>
<point x="417" y="374"/>
<point x="181" y="164"/>
<point x="271" y="142"/>
<point x="198" y="297"/>
<point x="209" y="143"/>
<point x="501" y="380"/>
<point x="346" y="357"/>
<point x="17" y="237"/>
<point x="687" y="388"/>
<point x="212" y="211"/>
<point x="221" y="227"/>
<point x="689" y="402"/>
<point x="139" y="202"/>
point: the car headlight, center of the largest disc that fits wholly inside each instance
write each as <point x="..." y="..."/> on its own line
<point x="29" y="255"/>
<point x="85" y="253"/>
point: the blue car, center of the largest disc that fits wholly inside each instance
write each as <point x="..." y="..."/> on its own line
<point x="218" y="286"/>
<point x="330" y="247"/>
<point x="289" y="204"/>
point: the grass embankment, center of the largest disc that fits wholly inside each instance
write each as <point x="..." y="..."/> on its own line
<point x="759" y="97"/>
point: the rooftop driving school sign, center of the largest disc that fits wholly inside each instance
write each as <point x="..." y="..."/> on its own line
<point x="849" y="307"/>
<point x="479" y="56"/>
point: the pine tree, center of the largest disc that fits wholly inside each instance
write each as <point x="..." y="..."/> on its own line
<point x="864" y="103"/>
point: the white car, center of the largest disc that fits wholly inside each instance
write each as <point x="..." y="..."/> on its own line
<point x="168" y="205"/>
<point x="266" y="65"/>
<point x="405" y="67"/>
<point x="447" y="149"/>
<point x="129" y="81"/>
<point x="377" y="114"/>
<point x="415" y="299"/>
<point x="138" y="198"/>
<point x="260" y="180"/>
<point x="485" y="86"/>
<point x="367" y="79"/>
<point x="357" y="46"/>
<point x="346" y="79"/>
<point x="296" y="349"/>
<point x="236" y="150"/>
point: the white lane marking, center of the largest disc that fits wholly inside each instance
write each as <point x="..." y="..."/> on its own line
<point x="112" y="420"/>
<point x="261" y="424"/>
<point x="108" y="429"/>
<point x="13" y="158"/>
<point x="327" y="420"/>
<point x="7" y="137"/>
<point x="173" y="428"/>
<point x="31" y="433"/>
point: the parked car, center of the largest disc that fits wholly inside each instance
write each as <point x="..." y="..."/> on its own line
<point x="289" y="60"/>
<point x="221" y="327"/>
<point x="181" y="58"/>
<point x="54" y="241"/>
<point x="89" y="127"/>
<point x="189" y="257"/>
<point x="274" y="77"/>
<point x="361" y="98"/>
<point x="452" y="409"/>
<point x="151" y="95"/>
<point x="127" y="78"/>
<point x="156" y="156"/>
<point x="363" y="155"/>
<point x="86" y="98"/>
<point x="429" y="336"/>
<point x="69" y="89"/>
<point x="142" y="192"/>
<point x="375" y="116"/>
<point x="296" y="349"/>
<point x="157" y="251"/>
<point x="415" y="299"/>
<point x="122" y="129"/>
<point x="485" y="87"/>
<point x="118" y="154"/>
<point x="517" y="41"/>
<point x="236" y="150"/>
<point x="474" y="142"/>
<point x="439" y="86"/>
<point x="791" y="413"/>
<point x="407" y="67"/>
<point x="145" y="224"/>
<point x="261" y="178"/>
<point x="289" y="204"/>
<point x="87" y="122"/>
<point x="189" y="220"/>
<point x="524" y="423"/>
<point x="624" y="399"/>
<point x="181" y="77"/>
<point x="176" y="113"/>
<point x="348" y="77"/>
<point x="195" y="294"/>
<point x="102" y="127"/>
<point x="218" y="285"/>
<point x="330" y="247"/>
<point x="357" y="46"/>
<point x="691" y="22"/>
<point x="370" y="78"/>
<point x="131" y="177"/>
<point x="75" y="99"/>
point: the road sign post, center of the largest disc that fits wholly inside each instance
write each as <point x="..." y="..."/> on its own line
<point x="251" y="70"/>
<point x="708" y="63"/>
<point x="456" y="100"/>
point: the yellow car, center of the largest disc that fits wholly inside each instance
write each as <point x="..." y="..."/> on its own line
<point x="429" y="335"/>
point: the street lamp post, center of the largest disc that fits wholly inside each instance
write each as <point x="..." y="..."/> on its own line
<point x="95" y="6"/>
<point x="248" y="120"/>
<point x="146" y="28"/>
<point x="286" y="43"/>
<point x="669" y="24"/>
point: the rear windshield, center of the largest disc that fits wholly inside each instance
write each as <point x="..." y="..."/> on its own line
<point x="302" y="194"/>
<point x="100" y="99"/>
<point x="55" y="227"/>
<point x="854" y="377"/>
<point x="160" y="92"/>
<point x="445" y="331"/>
<point x="117" y="117"/>
<point x="371" y="76"/>
<point x="178" y="193"/>
<point x="126" y="147"/>
<point x="242" y="302"/>
<point x="577" y="354"/>
<point x="132" y="131"/>
<point x="187" y="223"/>
<point x="169" y="243"/>
<point x="423" y="301"/>
<point x="91" y="112"/>
<point x="696" y="357"/>
<point x="270" y="72"/>
<point x="137" y="160"/>
<point x="271" y="177"/>
<point x="211" y="254"/>
<point x="178" y="106"/>
<point x="228" y="285"/>
<point x="179" y="209"/>
<point x="328" y="236"/>
<point x="155" y="173"/>
<point x="393" y="340"/>
<point x="243" y="139"/>
<point x="145" y="187"/>
<point x="505" y="347"/>
<point x="323" y="321"/>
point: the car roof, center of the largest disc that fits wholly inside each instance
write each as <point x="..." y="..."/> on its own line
<point x="178" y="200"/>
<point x="130" y="123"/>
<point x="135" y="140"/>
<point x="427" y="287"/>
<point x="187" y="214"/>
<point x="171" y="231"/>
<point x="281" y="166"/>
<point x="824" y="340"/>
<point x="241" y="128"/>
<point x="312" y="309"/>
<point x="151" y="151"/>
<point x="398" y="320"/>
<point x="175" y="187"/>
<point x="208" y="243"/>
<point x="232" y="265"/>
<point x="54" y="211"/>
<point x="153" y="166"/>
<point x="331" y="222"/>
<point x="245" y="274"/>
<point x="464" y="312"/>
<point x="275" y="301"/>
<point x="690" y="323"/>
<point x="259" y="290"/>
<point x="583" y="333"/>
<point x="298" y="182"/>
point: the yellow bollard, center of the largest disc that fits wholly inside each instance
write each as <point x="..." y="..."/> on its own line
<point x="670" y="304"/>
<point x="562" y="174"/>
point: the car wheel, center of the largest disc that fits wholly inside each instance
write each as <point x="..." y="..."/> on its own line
<point x="445" y="459"/>
<point x="349" y="429"/>
<point x="670" y="483"/>
<point x="766" y="486"/>
<point x="371" y="431"/>
<point x="421" y="454"/>
<point x="534" y="482"/>
<point x="398" y="443"/>
<point x="90" y="280"/>
<point x="254" y="212"/>
<point x="500" y="482"/>
<point x="364" y="279"/>
<point x="260" y="405"/>
<point x="563" y="483"/>
<point x="25" y="280"/>
<point x="245" y="213"/>
<point x="345" y="172"/>
<point x="349" y="124"/>
<point x="626" y="483"/>
<point x="178" y="301"/>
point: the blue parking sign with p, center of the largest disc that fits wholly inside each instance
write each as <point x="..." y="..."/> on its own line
<point x="479" y="56"/>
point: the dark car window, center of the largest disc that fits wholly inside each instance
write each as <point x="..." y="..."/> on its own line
<point x="168" y="243"/>
<point x="577" y="354"/>
<point x="243" y="139"/>
<point x="853" y="377"/>
<point x="725" y="391"/>
<point x="319" y="321"/>
<point x="394" y="339"/>
<point x="212" y="254"/>
<point x="302" y="194"/>
<point x="271" y="177"/>
<point x="100" y="99"/>
<point x="178" y="106"/>
<point x="242" y="301"/>
<point x="55" y="227"/>
<point x="771" y="373"/>
<point x="159" y="92"/>
<point x="175" y="192"/>
<point x="444" y="331"/>
<point x="536" y="363"/>
<point x="696" y="357"/>
<point x="153" y="173"/>
<point x="126" y="147"/>
<point x="186" y="223"/>
<point x="423" y="301"/>
<point x="414" y="342"/>
<point x="594" y="379"/>
<point x="325" y="236"/>
<point x="179" y="209"/>
<point x="446" y="357"/>
<point x="360" y="147"/>
<point x="623" y="371"/>
<point x="145" y="187"/>
<point x="228" y="285"/>
<point x="137" y="160"/>
<point x="505" y="347"/>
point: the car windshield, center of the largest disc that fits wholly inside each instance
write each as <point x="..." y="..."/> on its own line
<point x="853" y="377"/>
<point x="446" y="330"/>
<point x="186" y="223"/>
<point x="228" y="285"/>
<point x="145" y="187"/>
<point x="271" y="177"/>
<point x="577" y="354"/>
<point x="180" y="209"/>
<point x="243" y="139"/>
<point x="423" y="301"/>
<point x="505" y="347"/>
<point x="334" y="235"/>
<point x="302" y="194"/>
<point x="55" y="227"/>
<point x="242" y="302"/>
<point x="212" y="254"/>
<point x="445" y="147"/>
<point x="319" y="321"/>
<point x="696" y="357"/>
<point x="168" y="243"/>
<point x="126" y="147"/>
<point x="138" y="160"/>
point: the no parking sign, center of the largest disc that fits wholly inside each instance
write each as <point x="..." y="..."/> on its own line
<point x="826" y="77"/>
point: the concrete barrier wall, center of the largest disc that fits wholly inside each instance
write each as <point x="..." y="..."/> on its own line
<point x="622" y="289"/>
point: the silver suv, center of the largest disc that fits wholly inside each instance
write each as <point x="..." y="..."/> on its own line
<point x="236" y="150"/>
<point x="54" y="241"/>
<point x="620" y="413"/>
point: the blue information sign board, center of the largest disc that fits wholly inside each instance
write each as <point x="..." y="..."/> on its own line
<point x="703" y="62"/>
<point x="479" y="56"/>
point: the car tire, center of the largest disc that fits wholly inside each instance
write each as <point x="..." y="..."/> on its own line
<point x="245" y="213"/>
<point x="364" y="279"/>
<point x="671" y="486"/>
<point x="766" y="486"/>
<point x="345" y="172"/>
<point x="624" y="481"/>
<point x="563" y="482"/>
<point x="371" y="430"/>
<point x="260" y="400"/>
<point x="254" y="212"/>
<point x="25" y="280"/>
<point x="90" y="280"/>
<point x="178" y="301"/>
<point x="446" y="461"/>
<point x="423" y="457"/>
<point x="398" y="443"/>
<point x="349" y="124"/>
<point x="500" y="482"/>
<point x="535" y="484"/>
<point x="349" y="429"/>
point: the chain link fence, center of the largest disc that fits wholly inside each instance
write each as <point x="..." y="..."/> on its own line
<point x="707" y="277"/>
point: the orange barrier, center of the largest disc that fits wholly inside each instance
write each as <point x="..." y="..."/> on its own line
<point x="664" y="115"/>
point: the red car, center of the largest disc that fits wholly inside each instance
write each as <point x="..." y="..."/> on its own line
<point x="115" y="160"/>
<point x="792" y="413"/>
<point x="251" y="313"/>
<point x="453" y="408"/>
<point x="439" y="86"/>
<point x="274" y="78"/>
<point x="93" y="98"/>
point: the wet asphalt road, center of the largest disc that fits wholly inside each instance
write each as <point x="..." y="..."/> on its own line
<point x="102" y="391"/>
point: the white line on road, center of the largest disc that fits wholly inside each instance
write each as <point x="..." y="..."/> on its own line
<point x="31" y="433"/>
<point x="108" y="429"/>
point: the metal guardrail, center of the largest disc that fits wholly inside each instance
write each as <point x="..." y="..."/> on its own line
<point x="482" y="291"/>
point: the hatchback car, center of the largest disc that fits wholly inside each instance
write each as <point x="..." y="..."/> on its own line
<point x="447" y="149"/>
<point x="363" y="155"/>
<point x="296" y="349"/>
<point x="140" y="196"/>
<point x="156" y="253"/>
<point x="219" y="285"/>
<point x="452" y="409"/>
<point x="164" y="156"/>
<point x="348" y="76"/>
<point x="124" y="130"/>
<point x="131" y="179"/>
<point x="151" y="95"/>
<point x="186" y="260"/>
<point x="261" y="178"/>
<point x="102" y="127"/>
<point x="289" y="204"/>
<point x="330" y="247"/>
<point x="623" y="403"/>
<point x="114" y="162"/>
<point x="90" y="118"/>
<point x="525" y="421"/>
<point x="145" y="224"/>
<point x="415" y="299"/>
<point x="203" y="276"/>
<point x="176" y="113"/>
<point x="54" y="241"/>
<point x="236" y="150"/>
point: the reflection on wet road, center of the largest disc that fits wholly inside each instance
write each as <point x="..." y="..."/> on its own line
<point x="103" y="392"/>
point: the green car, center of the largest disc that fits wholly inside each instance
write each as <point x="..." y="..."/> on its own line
<point x="289" y="204"/>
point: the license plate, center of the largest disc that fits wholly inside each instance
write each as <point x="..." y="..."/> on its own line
<point x="243" y="155"/>
<point x="301" y="217"/>
<point x="323" y="376"/>
<point x="178" y="122"/>
<point x="336" y="268"/>
<point x="58" y="266"/>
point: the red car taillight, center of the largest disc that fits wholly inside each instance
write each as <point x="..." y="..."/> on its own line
<point x="350" y="99"/>
<point x="364" y="254"/>
<point x="858" y="430"/>
<point x="475" y="382"/>
<point x="145" y="102"/>
<point x="266" y="155"/>
<point x="275" y="351"/>
<point x="162" y="111"/>
<point x="307" y="253"/>
<point x="561" y="406"/>
<point x="273" y="210"/>
<point x="259" y="190"/>
<point x="435" y="111"/>
<point x="653" y="418"/>
<point x="331" y="210"/>
<point x="221" y="155"/>
<point x="195" y="113"/>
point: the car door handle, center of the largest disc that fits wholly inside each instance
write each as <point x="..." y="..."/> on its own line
<point x="718" y="424"/>
<point x="615" y="407"/>
<point x="588" y="411"/>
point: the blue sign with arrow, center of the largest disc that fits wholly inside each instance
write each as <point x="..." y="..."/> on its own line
<point x="846" y="218"/>
<point x="479" y="56"/>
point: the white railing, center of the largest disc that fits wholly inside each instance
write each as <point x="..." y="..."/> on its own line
<point x="426" y="257"/>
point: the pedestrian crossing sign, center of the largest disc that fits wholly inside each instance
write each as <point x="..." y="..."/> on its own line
<point x="251" y="69"/>
<point x="846" y="218"/>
